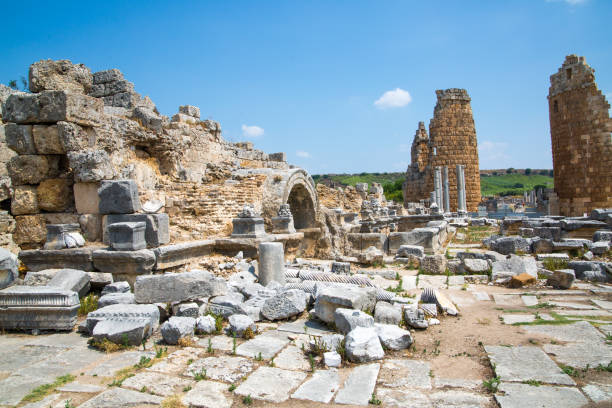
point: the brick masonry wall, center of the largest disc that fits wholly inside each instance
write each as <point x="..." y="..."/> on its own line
<point x="580" y="128"/>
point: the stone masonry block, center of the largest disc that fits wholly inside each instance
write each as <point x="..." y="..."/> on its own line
<point x="86" y="198"/>
<point x="19" y="138"/>
<point x="47" y="139"/>
<point x="118" y="197"/>
<point x="127" y="236"/>
<point x="157" y="231"/>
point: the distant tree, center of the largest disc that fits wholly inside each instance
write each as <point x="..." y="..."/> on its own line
<point x="527" y="171"/>
<point x="363" y="174"/>
<point x="24" y="84"/>
<point x="12" y="84"/>
<point x="494" y="173"/>
<point x="510" y="170"/>
<point x="518" y="185"/>
<point x="550" y="173"/>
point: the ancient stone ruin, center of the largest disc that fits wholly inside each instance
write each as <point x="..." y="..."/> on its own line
<point x="451" y="143"/>
<point x="580" y="128"/>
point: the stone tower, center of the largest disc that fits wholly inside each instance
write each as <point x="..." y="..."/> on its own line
<point x="452" y="141"/>
<point x="580" y="130"/>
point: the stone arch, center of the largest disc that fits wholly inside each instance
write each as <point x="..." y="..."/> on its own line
<point x="300" y="194"/>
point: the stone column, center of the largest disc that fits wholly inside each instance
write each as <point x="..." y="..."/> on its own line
<point x="438" y="188"/>
<point x="271" y="263"/>
<point x="446" y="192"/>
<point x="432" y="198"/>
<point x="460" y="189"/>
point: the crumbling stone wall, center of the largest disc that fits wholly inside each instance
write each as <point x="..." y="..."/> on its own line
<point x="347" y="198"/>
<point x="580" y="130"/>
<point x="77" y="128"/>
<point x="452" y="140"/>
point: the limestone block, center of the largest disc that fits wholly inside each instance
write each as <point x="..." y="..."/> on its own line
<point x="47" y="139"/>
<point x="90" y="165"/>
<point x="415" y="318"/>
<point x="386" y="313"/>
<point x="157" y="226"/>
<point x="91" y="226"/>
<point x="190" y="110"/>
<point x="248" y="227"/>
<point x="600" y="248"/>
<point x="124" y="264"/>
<point x="146" y="317"/>
<point x="111" y="88"/>
<point x="330" y="298"/>
<point x="127" y="236"/>
<point x="342" y="268"/>
<point x="148" y="119"/>
<point x="60" y="236"/>
<point x="271" y="262"/>
<point x="9" y="268"/>
<point x="24" y="201"/>
<point x="38" y="307"/>
<point x="54" y="195"/>
<point x="59" y="75"/>
<point x="109" y="75"/>
<point x="86" y="198"/>
<point x="38" y="260"/>
<point x="182" y="118"/>
<point x="19" y="138"/>
<point x="515" y="265"/>
<point x="118" y="197"/>
<point x="205" y="325"/>
<point x="239" y="323"/>
<point x="562" y="279"/>
<point x="177" y="328"/>
<point x="510" y="245"/>
<point x="169" y="256"/>
<point x="425" y="237"/>
<point x="31" y="169"/>
<point x="116" y="287"/>
<point x="363" y="345"/>
<point x="178" y="287"/>
<point x="371" y="256"/>
<point x="518" y="281"/>
<point x="404" y="251"/>
<point x="21" y="108"/>
<point x="30" y="229"/>
<point x="349" y="319"/>
<point x="285" y="304"/>
<point x="116" y="299"/>
<point x="71" y="279"/>
<point x="74" y="137"/>
<point x="434" y="264"/>
<point x="332" y="359"/>
<point x="475" y="266"/>
<point x="602" y="235"/>
<point x="393" y="337"/>
<point x="190" y="309"/>
<point x="227" y="305"/>
<point x="122" y="331"/>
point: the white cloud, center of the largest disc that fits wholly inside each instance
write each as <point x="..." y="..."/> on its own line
<point x="493" y="154"/>
<point x="393" y="99"/>
<point x="252" y="131"/>
<point x="303" y="154"/>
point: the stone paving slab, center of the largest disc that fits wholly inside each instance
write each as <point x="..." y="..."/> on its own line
<point x="580" y="355"/>
<point x="453" y="398"/>
<point x="223" y="343"/>
<point x="80" y="388"/>
<point x="518" y="364"/>
<point x="575" y="332"/>
<point x="529" y="300"/>
<point x="572" y="305"/>
<point x="604" y="304"/>
<point x="583" y="312"/>
<point x="507" y="300"/>
<point x="598" y="392"/>
<point x="303" y="326"/>
<point x="513" y="318"/>
<point x="405" y="374"/>
<point x="432" y="281"/>
<point x="118" y="362"/>
<point x="65" y="362"/>
<point x="456" y="383"/>
<point x="482" y="296"/>
<point x="208" y="394"/>
<point x="292" y="358"/>
<point x="402" y="398"/>
<point x="462" y="300"/>
<point x="566" y="292"/>
<point x="46" y="402"/>
<point x="266" y="345"/>
<point x="606" y="328"/>
<point x="359" y="385"/>
<point x="12" y="359"/>
<point x="270" y="384"/>
<point x="321" y="387"/>
<point x="62" y="340"/>
<point x="456" y="280"/>
<point x="544" y="396"/>
<point x="121" y="398"/>
<point x="156" y="383"/>
<point x="223" y="368"/>
<point x="15" y="387"/>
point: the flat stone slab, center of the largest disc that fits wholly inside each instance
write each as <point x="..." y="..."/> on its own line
<point x="223" y="343"/>
<point x="292" y="358"/>
<point x="359" y="385"/>
<point x="518" y="318"/>
<point x="507" y="300"/>
<point x="223" y="368"/>
<point x="520" y="364"/>
<point x="604" y="304"/>
<point x="598" y="392"/>
<point x="270" y="384"/>
<point x="268" y="346"/>
<point x="456" y="383"/>
<point x="544" y="396"/>
<point x="120" y="398"/>
<point x="572" y="305"/>
<point x="208" y="394"/>
<point x="80" y="388"/>
<point x="581" y="355"/>
<point x="117" y="362"/>
<point x="405" y="374"/>
<point x="303" y="326"/>
<point x="482" y="296"/>
<point x="575" y="332"/>
<point x="453" y="398"/>
<point x="15" y="387"/>
<point x="46" y="402"/>
<point x="156" y="383"/>
<point x="432" y="281"/>
<point x="529" y="300"/>
<point x="402" y="398"/>
<point x="321" y="387"/>
<point x="462" y="299"/>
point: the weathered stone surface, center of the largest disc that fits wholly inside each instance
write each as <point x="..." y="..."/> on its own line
<point x="90" y="166"/>
<point x="270" y="384"/>
<point x="434" y="264"/>
<point x="53" y="106"/>
<point x="127" y="236"/>
<point x="386" y="313"/>
<point x="602" y="235"/>
<point x="117" y="321"/>
<point x="415" y="318"/>
<point x="116" y="287"/>
<point x="116" y="298"/>
<point x="227" y="305"/>
<point x="9" y="268"/>
<point x="121" y="398"/>
<point x="80" y="388"/>
<point x="19" y="138"/>
<point x="393" y="337"/>
<point x="510" y="245"/>
<point x="285" y="304"/>
<point x="477" y="266"/>
<point x="405" y="250"/>
<point x="47" y="140"/>
<point x="177" y="328"/>
<point x="205" y="325"/>
<point x="31" y="169"/>
<point x="178" y="287"/>
<point x="600" y="248"/>
<point x="71" y="279"/>
<point x="222" y="368"/>
<point x="190" y="309"/>
<point x="271" y="263"/>
<point x="124" y="264"/>
<point x="169" y="256"/>
<point x="349" y="319"/>
<point x="190" y="110"/>
<point x="118" y="197"/>
<point x="239" y="323"/>
<point x="589" y="270"/>
<point x="523" y="279"/>
<point x="38" y="307"/>
<point x="77" y="258"/>
<point x="156" y="383"/>
<point x="545" y="396"/>
<point x="86" y="198"/>
<point x="157" y="230"/>
<point x="59" y="75"/>
<point x="208" y="394"/>
<point x="526" y="363"/>
<point x="62" y="236"/>
<point x="343" y="268"/>
<point x="24" y="201"/>
<point x="371" y="256"/>
<point x="332" y="359"/>
<point x="562" y="279"/>
<point x="267" y="346"/>
<point x="330" y="298"/>
<point x="359" y="386"/>
<point x="122" y="331"/>
<point x="320" y="388"/>
<point x="404" y="373"/>
<point x="515" y="265"/>
<point x="363" y="345"/>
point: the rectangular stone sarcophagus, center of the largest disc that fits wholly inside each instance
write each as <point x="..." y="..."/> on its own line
<point x="38" y="308"/>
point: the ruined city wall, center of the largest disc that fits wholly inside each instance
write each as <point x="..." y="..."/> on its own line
<point x="580" y="130"/>
<point x="77" y="128"/>
<point x="452" y="141"/>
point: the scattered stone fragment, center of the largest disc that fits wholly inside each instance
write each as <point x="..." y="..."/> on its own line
<point x="393" y="337"/>
<point x="239" y="324"/>
<point x="349" y="319"/>
<point x="415" y="318"/>
<point x="116" y="298"/>
<point x="116" y="287"/>
<point x="177" y="328"/>
<point x="8" y="268"/>
<point x="386" y="313"/>
<point x="178" y="287"/>
<point x="71" y="279"/>
<point x="285" y="304"/>
<point x="332" y="359"/>
<point x="362" y="345"/>
<point x="562" y="279"/>
<point x="524" y="279"/>
<point x="205" y="325"/>
<point x="190" y="309"/>
<point x="332" y="297"/>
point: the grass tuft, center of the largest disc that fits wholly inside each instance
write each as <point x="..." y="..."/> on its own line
<point x="42" y="391"/>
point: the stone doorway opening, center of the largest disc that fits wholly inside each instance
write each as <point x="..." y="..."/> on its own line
<point x="302" y="207"/>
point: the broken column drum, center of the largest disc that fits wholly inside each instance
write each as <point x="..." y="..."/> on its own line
<point x="271" y="263"/>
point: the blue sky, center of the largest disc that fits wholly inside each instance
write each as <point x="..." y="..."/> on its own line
<point x="304" y="77"/>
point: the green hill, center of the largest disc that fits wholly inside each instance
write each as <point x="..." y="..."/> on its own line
<point x="491" y="182"/>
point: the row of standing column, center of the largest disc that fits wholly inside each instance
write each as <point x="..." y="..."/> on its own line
<point x="441" y="195"/>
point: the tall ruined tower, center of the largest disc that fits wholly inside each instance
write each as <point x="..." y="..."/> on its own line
<point x="580" y="131"/>
<point x="452" y="141"/>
